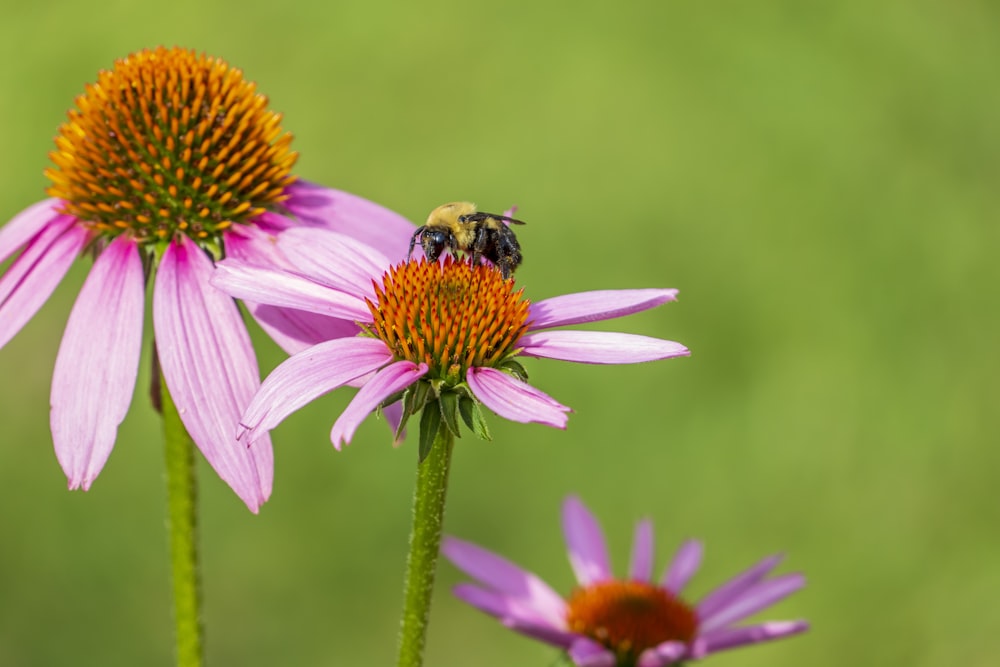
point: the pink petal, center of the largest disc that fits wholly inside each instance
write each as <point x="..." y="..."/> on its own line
<point x="662" y="655"/>
<point x="515" y="613"/>
<point x="209" y="367"/>
<point x="252" y="245"/>
<point x="308" y="375"/>
<point x="727" y="638"/>
<point x="599" y="347"/>
<point x="515" y="400"/>
<point x="296" y="330"/>
<point x="586" y="652"/>
<point x="595" y="306"/>
<point x="540" y="632"/>
<point x="354" y="216"/>
<point x="733" y="588"/>
<point x="98" y="361"/>
<point x="641" y="565"/>
<point x="34" y="275"/>
<point x="760" y="595"/>
<point x="588" y="551"/>
<point x="276" y="287"/>
<point x="29" y="223"/>
<point x="385" y="383"/>
<point x="507" y="578"/>
<point x="334" y="259"/>
<point x="684" y="565"/>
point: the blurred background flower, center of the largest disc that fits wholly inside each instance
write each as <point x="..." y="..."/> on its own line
<point x="635" y="619"/>
<point x="819" y="181"/>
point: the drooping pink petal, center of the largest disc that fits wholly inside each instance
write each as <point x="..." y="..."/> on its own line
<point x="684" y="565"/>
<point x="594" y="306"/>
<point x="727" y="638"/>
<point x="750" y="601"/>
<point x="662" y="655"/>
<point x="515" y="400"/>
<point x="516" y="614"/>
<point x="308" y="375"/>
<point x="588" y="550"/>
<point x="276" y="287"/>
<point x="585" y="652"/>
<point x="295" y="330"/>
<point x="507" y="578"/>
<point x="97" y="364"/>
<point x="641" y="564"/>
<point x="30" y="280"/>
<point x="27" y="224"/>
<point x="335" y="259"/>
<point x="209" y="367"/>
<point x="724" y="594"/>
<point x="352" y="215"/>
<point x="385" y="383"/>
<point x="599" y="347"/>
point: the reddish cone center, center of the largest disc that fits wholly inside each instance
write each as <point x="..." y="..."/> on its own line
<point x="450" y="315"/>
<point x="629" y="617"/>
<point x="170" y="142"/>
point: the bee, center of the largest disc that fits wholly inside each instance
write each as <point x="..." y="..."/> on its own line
<point x="459" y="226"/>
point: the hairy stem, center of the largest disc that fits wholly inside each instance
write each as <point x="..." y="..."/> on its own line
<point x="425" y="542"/>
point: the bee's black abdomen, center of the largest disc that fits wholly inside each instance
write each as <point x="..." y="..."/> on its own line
<point x="499" y="245"/>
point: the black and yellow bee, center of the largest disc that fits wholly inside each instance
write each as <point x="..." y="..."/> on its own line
<point x="459" y="226"/>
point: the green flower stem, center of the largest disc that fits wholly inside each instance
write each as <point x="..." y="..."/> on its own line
<point x="181" y="520"/>
<point x="425" y="542"/>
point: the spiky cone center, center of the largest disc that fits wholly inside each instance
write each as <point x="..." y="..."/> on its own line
<point x="629" y="617"/>
<point x="169" y="142"/>
<point x="449" y="315"/>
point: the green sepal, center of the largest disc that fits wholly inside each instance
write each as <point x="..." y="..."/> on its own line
<point x="416" y="397"/>
<point x="449" y="412"/>
<point x="392" y="399"/>
<point x="473" y="417"/>
<point x="465" y="407"/>
<point x="413" y="398"/>
<point x="430" y="422"/>
<point x="514" y="368"/>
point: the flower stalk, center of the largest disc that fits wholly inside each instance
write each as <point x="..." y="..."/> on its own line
<point x="429" y="496"/>
<point x="182" y="526"/>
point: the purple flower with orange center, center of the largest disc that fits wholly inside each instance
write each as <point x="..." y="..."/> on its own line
<point x="444" y="335"/>
<point x="169" y="161"/>
<point x="630" y="622"/>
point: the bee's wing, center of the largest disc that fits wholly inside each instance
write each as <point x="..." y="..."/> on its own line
<point x="479" y="217"/>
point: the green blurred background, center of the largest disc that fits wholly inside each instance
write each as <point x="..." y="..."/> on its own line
<point x="819" y="180"/>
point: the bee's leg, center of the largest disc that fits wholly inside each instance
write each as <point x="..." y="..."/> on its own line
<point x="508" y="251"/>
<point x="479" y="244"/>
<point x="413" y="240"/>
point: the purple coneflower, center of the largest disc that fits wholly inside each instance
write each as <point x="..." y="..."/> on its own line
<point x="445" y="334"/>
<point x="170" y="161"/>
<point x="609" y="622"/>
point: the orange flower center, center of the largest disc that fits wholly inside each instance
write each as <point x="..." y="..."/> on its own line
<point x="170" y="142"/>
<point x="450" y="316"/>
<point x="629" y="617"/>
